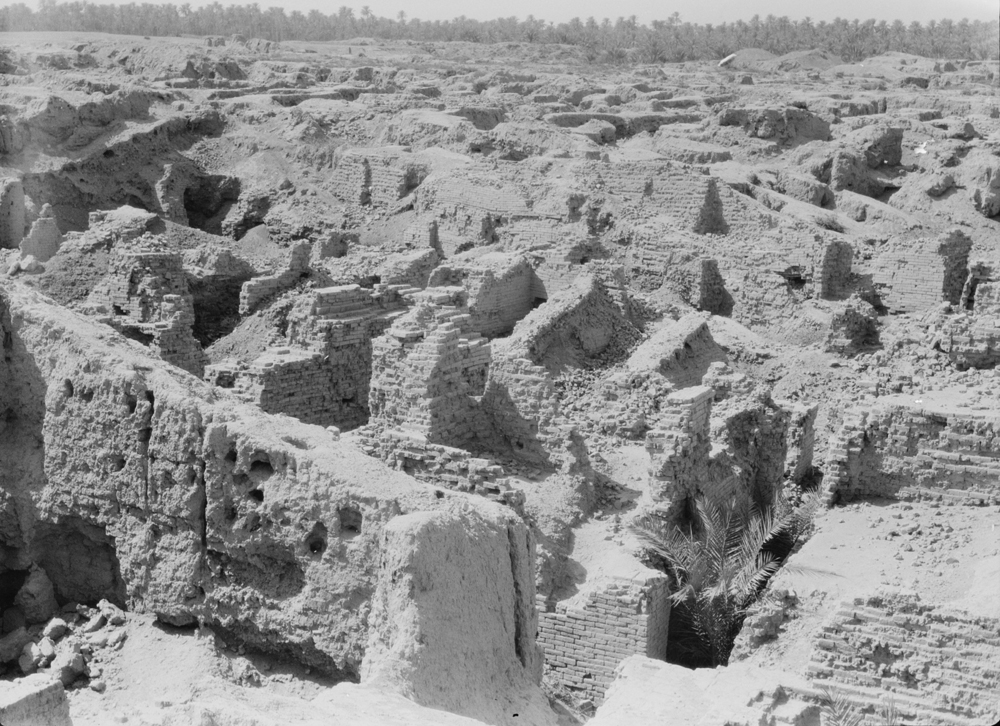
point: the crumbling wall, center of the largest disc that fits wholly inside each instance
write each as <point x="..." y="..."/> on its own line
<point x="585" y="642"/>
<point x="688" y="197"/>
<point x="378" y="177"/>
<point x="43" y="239"/>
<point x="681" y="352"/>
<point x="939" y="666"/>
<point x="679" y="451"/>
<point x="264" y="528"/>
<point x="898" y="448"/>
<point x="834" y="270"/>
<point x="577" y="327"/>
<point x="323" y="372"/>
<point x="420" y="379"/>
<point x="459" y="637"/>
<point x="259" y="289"/>
<point x="145" y="296"/>
<point x="11" y="213"/>
<point x="500" y="290"/>
<point x="919" y="274"/>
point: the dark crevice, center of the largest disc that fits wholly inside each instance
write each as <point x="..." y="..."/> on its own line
<point x="519" y="629"/>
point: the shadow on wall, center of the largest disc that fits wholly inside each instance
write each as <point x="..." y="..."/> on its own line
<point x="78" y="558"/>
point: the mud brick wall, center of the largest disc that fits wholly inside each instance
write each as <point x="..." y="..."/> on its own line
<point x="378" y="177"/>
<point x="681" y="352"/>
<point x="443" y="466"/>
<point x="500" y="291"/>
<point x="576" y="325"/>
<point x="420" y="376"/>
<point x="688" y="196"/>
<point x="971" y="342"/>
<point x="679" y="454"/>
<point x="522" y="403"/>
<point x="583" y="644"/>
<point x="259" y="289"/>
<point x="834" y="273"/>
<point x="920" y="274"/>
<point x="909" y="451"/>
<point x="799" y="439"/>
<point x="12" y="219"/>
<point x="938" y="666"/>
<point x="137" y="282"/>
<point x="322" y="374"/>
<point x="556" y="268"/>
<point x="173" y="340"/>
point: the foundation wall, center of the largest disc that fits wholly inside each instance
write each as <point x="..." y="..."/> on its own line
<point x="939" y="667"/>
<point x="899" y="451"/>
<point x="583" y="645"/>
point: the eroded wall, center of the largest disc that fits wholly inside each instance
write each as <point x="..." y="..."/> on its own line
<point x="162" y="493"/>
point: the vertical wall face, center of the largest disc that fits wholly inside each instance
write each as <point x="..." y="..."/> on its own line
<point x="127" y="480"/>
<point x="679" y="455"/>
<point x="11" y="213"/>
<point x="459" y="637"/>
<point x="919" y="274"/>
<point x="906" y="450"/>
<point x="584" y="643"/>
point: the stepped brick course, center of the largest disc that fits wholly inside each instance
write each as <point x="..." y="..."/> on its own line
<point x="939" y="667"/>
<point x="907" y="450"/>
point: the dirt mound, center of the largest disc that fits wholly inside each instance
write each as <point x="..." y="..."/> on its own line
<point x="750" y="58"/>
<point x="804" y="60"/>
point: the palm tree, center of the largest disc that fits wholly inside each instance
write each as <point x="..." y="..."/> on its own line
<point x="720" y="562"/>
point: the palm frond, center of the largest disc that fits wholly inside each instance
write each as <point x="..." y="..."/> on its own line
<point x="840" y="711"/>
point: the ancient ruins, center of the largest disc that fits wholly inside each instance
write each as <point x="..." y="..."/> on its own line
<point x="335" y="377"/>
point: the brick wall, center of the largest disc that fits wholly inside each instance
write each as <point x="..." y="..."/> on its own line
<point x="500" y="289"/>
<point x="378" y="177"/>
<point x="939" y="666"/>
<point x="11" y="213"/>
<point x="663" y="188"/>
<point x="681" y="352"/>
<point x="584" y="643"/>
<point x="908" y="450"/>
<point x="679" y="451"/>
<point x="920" y="274"/>
<point x="259" y="289"/>
<point x="322" y="373"/>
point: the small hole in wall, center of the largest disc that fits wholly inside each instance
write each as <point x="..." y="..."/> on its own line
<point x="316" y="540"/>
<point x="87" y="395"/>
<point x="350" y="522"/>
<point x="231" y="455"/>
<point x="256" y="495"/>
<point x="116" y="462"/>
<point x="68" y="388"/>
<point x="131" y="401"/>
<point x="439" y="494"/>
<point x="261" y="468"/>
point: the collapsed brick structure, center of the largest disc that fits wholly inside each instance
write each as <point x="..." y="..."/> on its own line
<point x="145" y="296"/>
<point x="321" y="375"/>
<point x="501" y="289"/>
<point x="900" y="447"/>
<point x="883" y="642"/>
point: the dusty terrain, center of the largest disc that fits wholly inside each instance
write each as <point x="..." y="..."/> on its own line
<point x="335" y="373"/>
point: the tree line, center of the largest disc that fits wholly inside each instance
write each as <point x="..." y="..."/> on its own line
<point x="621" y="41"/>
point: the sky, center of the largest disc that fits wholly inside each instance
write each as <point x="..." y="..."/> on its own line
<point x="695" y="11"/>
